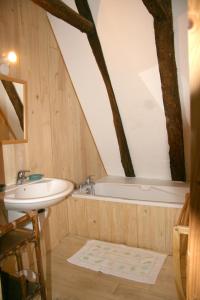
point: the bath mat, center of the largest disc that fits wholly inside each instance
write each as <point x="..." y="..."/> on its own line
<point x="131" y="263"/>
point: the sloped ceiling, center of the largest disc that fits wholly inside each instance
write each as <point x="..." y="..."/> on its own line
<point x="126" y="33"/>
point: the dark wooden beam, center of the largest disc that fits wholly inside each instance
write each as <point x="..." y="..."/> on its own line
<point x="60" y="10"/>
<point x="7" y="126"/>
<point x="157" y="8"/>
<point x="164" y="37"/>
<point x="93" y="39"/>
<point x="14" y="98"/>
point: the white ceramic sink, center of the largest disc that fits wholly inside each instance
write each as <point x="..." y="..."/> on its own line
<point x="36" y="195"/>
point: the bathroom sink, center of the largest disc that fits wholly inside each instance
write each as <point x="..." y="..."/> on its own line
<point x="36" y="195"/>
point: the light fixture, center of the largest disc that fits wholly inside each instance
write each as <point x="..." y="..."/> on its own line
<point x="6" y="60"/>
<point x="12" y="57"/>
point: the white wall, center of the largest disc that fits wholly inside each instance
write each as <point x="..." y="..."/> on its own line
<point x="126" y="33"/>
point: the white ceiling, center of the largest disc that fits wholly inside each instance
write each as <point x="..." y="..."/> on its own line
<point x="127" y="37"/>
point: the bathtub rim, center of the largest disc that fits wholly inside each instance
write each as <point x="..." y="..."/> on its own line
<point x="77" y="194"/>
<point x="142" y="181"/>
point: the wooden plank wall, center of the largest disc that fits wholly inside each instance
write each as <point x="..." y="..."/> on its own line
<point x="193" y="282"/>
<point x="59" y="141"/>
<point x="143" y="226"/>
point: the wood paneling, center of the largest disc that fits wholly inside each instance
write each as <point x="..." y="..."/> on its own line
<point x="93" y="212"/>
<point x="59" y="140"/>
<point x="151" y="227"/>
<point x="142" y="226"/>
<point x="193" y="279"/>
<point x="15" y="157"/>
<point x="105" y="221"/>
<point x="172" y="216"/>
<point x="77" y="217"/>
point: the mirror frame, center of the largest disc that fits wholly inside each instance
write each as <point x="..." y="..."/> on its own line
<point x="25" y="139"/>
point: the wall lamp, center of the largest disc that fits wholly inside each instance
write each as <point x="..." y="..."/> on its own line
<point x="6" y="60"/>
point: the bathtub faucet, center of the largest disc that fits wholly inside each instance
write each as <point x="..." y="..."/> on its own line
<point x="87" y="186"/>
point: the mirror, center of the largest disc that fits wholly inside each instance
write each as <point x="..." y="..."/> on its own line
<point x="12" y="110"/>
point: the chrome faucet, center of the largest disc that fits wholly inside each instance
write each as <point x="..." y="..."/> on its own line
<point x="88" y="185"/>
<point x="21" y="176"/>
<point x="89" y="180"/>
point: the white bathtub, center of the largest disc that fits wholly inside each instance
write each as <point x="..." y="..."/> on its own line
<point x="140" y="191"/>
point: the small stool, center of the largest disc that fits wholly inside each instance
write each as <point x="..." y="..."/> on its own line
<point x="12" y="237"/>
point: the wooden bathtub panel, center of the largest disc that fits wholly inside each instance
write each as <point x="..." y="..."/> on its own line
<point x="117" y="223"/>
<point x="108" y="221"/>
<point x="105" y="221"/>
<point x="151" y="227"/>
<point x="144" y="226"/>
<point x="158" y="223"/>
<point x="134" y="225"/>
<point x="81" y="217"/>
<point x="172" y="215"/>
<point x="92" y="209"/>
<point x="112" y="222"/>
<point x="124" y="224"/>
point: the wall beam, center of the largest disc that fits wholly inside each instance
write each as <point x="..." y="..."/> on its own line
<point x="95" y="44"/>
<point x="164" y="38"/>
<point x="60" y="10"/>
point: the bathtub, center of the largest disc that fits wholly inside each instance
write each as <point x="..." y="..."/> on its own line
<point x="131" y="211"/>
<point x="138" y="191"/>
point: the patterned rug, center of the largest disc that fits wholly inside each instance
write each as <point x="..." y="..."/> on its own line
<point x="119" y="260"/>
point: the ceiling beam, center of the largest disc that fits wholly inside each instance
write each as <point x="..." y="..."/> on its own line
<point x="84" y="10"/>
<point x="60" y="10"/>
<point x="157" y="8"/>
<point x="15" y="100"/>
<point x="164" y="37"/>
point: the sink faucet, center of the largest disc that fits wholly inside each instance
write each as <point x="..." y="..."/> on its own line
<point x="21" y="176"/>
